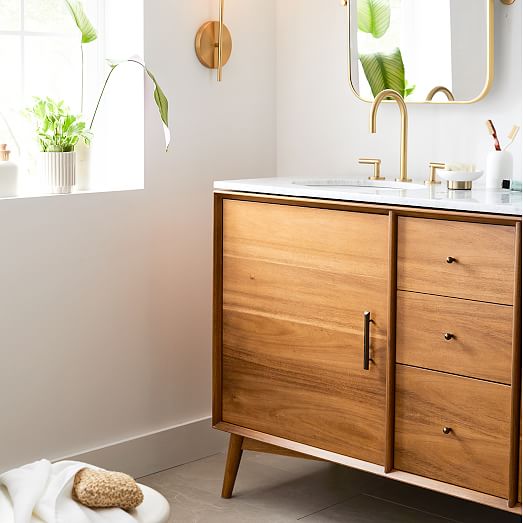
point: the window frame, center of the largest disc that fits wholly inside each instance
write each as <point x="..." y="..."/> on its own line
<point x="22" y="34"/>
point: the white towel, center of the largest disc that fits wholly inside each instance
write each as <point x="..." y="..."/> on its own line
<point x="41" y="492"/>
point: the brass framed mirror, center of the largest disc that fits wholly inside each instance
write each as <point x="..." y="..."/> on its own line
<point x="424" y="49"/>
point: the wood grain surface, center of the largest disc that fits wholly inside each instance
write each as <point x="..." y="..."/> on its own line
<point x="484" y="267"/>
<point x="296" y="283"/>
<point x="475" y="454"/>
<point x="481" y="343"/>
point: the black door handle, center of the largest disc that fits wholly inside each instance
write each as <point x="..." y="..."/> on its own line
<point x="366" y="340"/>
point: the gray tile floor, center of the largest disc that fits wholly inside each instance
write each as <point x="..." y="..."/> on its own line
<point x="277" y="489"/>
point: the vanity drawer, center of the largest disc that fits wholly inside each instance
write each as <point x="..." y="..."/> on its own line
<point x="464" y="260"/>
<point x="475" y="452"/>
<point x="480" y="336"/>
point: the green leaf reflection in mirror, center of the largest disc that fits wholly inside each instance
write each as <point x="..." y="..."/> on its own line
<point x="374" y="17"/>
<point x="383" y="70"/>
<point x="386" y="71"/>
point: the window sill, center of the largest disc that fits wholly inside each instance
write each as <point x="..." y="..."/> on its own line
<point x="24" y="195"/>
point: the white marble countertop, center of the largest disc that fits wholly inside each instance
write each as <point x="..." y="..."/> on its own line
<point x="406" y="195"/>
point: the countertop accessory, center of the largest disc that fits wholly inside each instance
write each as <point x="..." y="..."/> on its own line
<point x="441" y="89"/>
<point x="377" y="167"/>
<point x="8" y="173"/>
<point x="513" y="185"/>
<point x="512" y="136"/>
<point x="500" y="166"/>
<point x="492" y="131"/>
<point x="213" y="43"/>
<point x="389" y="93"/>
<point x="460" y="180"/>
<point x="434" y="166"/>
<point x="4" y="153"/>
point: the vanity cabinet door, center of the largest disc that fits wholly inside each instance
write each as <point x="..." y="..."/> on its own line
<point x="296" y="284"/>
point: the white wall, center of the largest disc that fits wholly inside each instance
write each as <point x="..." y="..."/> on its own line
<point x="323" y="128"/>
<point x="105" y="302"/>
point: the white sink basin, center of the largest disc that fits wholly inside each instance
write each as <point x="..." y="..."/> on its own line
<point x="347" y="182"/>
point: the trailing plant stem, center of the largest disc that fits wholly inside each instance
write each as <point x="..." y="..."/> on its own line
<point x="105" y="86"/>
<point x="82" y="87"/>
<point x="101" y="96"/>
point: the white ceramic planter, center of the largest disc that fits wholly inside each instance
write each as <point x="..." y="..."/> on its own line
<point x="58" y="171"/>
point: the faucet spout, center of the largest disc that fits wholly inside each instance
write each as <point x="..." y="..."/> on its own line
<point x="390" y="93"/>
<point x="440" y="89"/>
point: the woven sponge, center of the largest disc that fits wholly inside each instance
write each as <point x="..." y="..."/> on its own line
<point x="104" y="489"/>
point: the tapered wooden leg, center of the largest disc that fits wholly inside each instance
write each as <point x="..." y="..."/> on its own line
<point x="234" y="456"/>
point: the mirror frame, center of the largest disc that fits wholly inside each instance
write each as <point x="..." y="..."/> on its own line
<point x="489" y="5"/>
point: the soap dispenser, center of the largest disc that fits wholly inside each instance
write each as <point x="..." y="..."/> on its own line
<point x="8" y="174"/>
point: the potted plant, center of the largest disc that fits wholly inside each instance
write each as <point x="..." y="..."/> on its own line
<point x="58" y="132"/>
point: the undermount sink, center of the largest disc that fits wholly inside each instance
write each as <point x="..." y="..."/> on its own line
<point x="347" y="182"/>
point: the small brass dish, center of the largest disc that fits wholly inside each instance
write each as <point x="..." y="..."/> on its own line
<point x="459" y="180"/>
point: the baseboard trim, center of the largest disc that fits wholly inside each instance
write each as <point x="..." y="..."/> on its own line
<point x="156" y="451"/>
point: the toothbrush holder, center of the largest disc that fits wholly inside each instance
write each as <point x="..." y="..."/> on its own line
<point x="500" y="166"/>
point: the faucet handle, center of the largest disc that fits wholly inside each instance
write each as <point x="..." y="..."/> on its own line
<point x="434" y="166"/>
<point x="377" y="167"/>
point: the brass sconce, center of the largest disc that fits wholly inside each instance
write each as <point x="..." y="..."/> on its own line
<point x="213" y="44"/>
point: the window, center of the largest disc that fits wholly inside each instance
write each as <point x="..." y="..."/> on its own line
<point x="40" y="55"/>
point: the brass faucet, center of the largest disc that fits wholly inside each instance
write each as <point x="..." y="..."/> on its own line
<point x="390" y="93"/>
<point x="440" y="89"/>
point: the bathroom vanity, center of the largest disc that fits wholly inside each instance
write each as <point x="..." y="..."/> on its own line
<point x="375" y="328"/>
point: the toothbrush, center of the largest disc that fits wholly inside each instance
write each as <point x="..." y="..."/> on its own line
<point x="512" y="136"/>
<point x="494" y="134"/>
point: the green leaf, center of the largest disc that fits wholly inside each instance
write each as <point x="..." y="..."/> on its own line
<point x="374" y="17"/>
<point x="385" y="71"/>
<point x="409" y="89"/>
<point x="82" y="22"/>
<point x="161" y="101"/>
<point x="163" y="107"/>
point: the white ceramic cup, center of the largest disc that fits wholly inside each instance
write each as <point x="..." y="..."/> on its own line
<point x="500" y="166"/>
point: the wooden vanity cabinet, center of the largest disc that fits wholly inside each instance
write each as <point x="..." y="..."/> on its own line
<point x="424" y="389"/>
